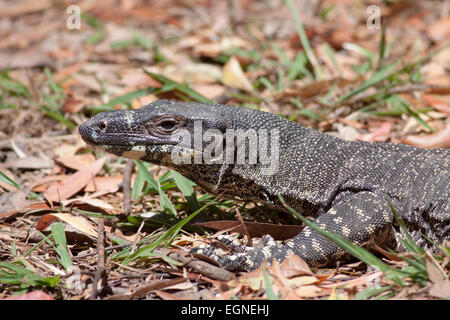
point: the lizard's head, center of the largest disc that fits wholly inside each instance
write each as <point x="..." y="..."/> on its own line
<point x="152" y="132"/>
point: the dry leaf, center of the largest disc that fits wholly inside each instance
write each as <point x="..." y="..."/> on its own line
<point x="73" y="183"/>
<point x="90" y="201"/>
<point x="347" y="132"/>
<point x="310" y="291"/>
<point x="293" y="266"/>
<point x="77" y="162"/>
<point x="234" y="77"/>
<point x="69" y="149"/>
<point x="440" y="139"/>
<point x="166" y="296"/>
<point x="41" y="184"/>
<point x="78" y="222"/>
<point x="29" y="58"/>
<point x="26" y="207"/>
<point x="367" y="279"/>
<point x="212" y="49"/>
<point x="440" y="29"/>
<point x="381" y="134"/>
<point x="33" y="295"/>
<point x="73" y="105"/>
<point x="137" y="78"/>
<point x="436" y="103"/>
<point x="106" y="184"/>
<point x="255" y="229"/>
<point x="193" y="72"/>
<point x="29" y="162"/>
<point x="441" y="286"/>
<point x="301" y="281"/>
<point x="210" y="91"/>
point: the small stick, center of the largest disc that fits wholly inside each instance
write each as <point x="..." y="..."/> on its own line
<point x="120" y="246"/>
<point x="200" y="266"/>
<point x="241" y="221"/>
<point x="126" y="186"/>
<point x="101" y="269"/>
<point x="137" y="237"/>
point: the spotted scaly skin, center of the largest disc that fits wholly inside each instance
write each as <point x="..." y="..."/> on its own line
<point x="347" y="187"/>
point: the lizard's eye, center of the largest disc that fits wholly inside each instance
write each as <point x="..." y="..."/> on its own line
<point x="167" y="125"/>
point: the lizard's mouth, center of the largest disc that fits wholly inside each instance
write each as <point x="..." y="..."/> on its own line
<point x="124" y="140"/>
<point x="92" y="134"/>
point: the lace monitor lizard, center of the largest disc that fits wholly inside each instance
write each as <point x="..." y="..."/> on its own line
<point x="347" y="187"/>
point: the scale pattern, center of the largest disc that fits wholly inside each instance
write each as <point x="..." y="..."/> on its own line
<point x="345" y="186"/>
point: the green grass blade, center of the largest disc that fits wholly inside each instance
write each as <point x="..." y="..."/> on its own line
<point x="304" y="40"/>
<point x="56" y="115"/>
<point x="405" y="104"/>
<point x="15" y="87"/>
<point x="140" y="180"/>
<point x="409" y="244"/>
<point x="143" y="171"/>
<point x="298" y="67"/>
<point x="11" y="273"/>
<point x="281" y="55"/>
<point x="59" y="236"/>
<point x="371" y="292"/>
<point x="186" y="186"/>
<point x="268" y="285"/>
<point x="53" y="85"/>
<point x="266" y="82"/>
<point x="37" y="245"/>
<point x="192" y="94"/>
<point x="382" y="49"/>
<point x="4" y="178"/>
<point x="164" y="201"/>
<point x="169" y="234"/>
<point x="376" y="78"/>
<point x="156" y="185"/>
<point x="330" y="53"/>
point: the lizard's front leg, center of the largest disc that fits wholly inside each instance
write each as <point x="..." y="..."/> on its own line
<point x="357" y="217"/>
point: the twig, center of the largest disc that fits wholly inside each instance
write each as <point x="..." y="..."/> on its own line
<point x="200" y="266"/>
<point x="241" y="221"/>
<point x="145" y="289"/>
<point x="137" y="237"/>
<point x="119" y="246"/>
<point x="126" y="186"/>
<point x="101" y="269"/>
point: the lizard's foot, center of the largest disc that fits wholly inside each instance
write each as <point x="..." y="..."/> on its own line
<point x="243" y="258"/>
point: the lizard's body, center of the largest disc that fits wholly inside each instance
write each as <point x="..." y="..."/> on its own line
<point x="346" y="186"/>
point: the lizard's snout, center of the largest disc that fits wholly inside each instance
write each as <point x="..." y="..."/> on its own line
<point x="96" y="129"/>
<point x="91" y="130"/>
<point x="108" y="128"/>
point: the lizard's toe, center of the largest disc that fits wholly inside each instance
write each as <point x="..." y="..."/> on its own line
<point x="206" y="250"/>
<point x="243" y="258"/>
